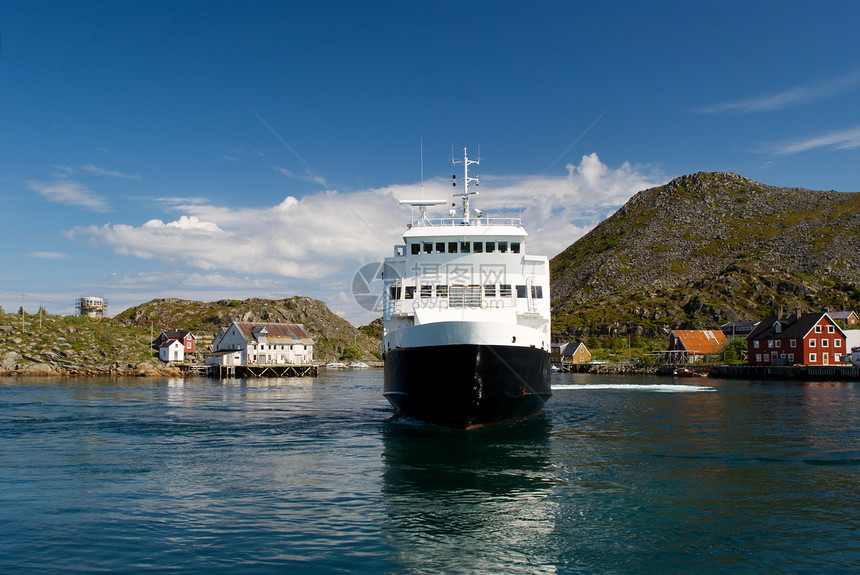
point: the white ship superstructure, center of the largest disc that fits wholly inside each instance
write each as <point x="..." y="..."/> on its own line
<point x="466" y="316"/>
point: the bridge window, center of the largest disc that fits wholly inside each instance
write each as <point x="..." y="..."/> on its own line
<point x="489" y="291"/>
<point x="465" y="247"/>
<point x="410" y="292"/>
<point x="440" y="247"/>
<point x="505" y="290"/>
<point x="394" y="292"/>
<point x="503" y="247"/>
<point x="537" y="292"/>
<point x="521" y="291"/>
<point x="416" y="249"/>
<point x="478" y="247"/>
<point x="441" y="291"/>
<point x="491" y="247"/>
<point x="428" y="247"/>
<point x="515" y="247"/>
<point x="452" y="247"/>
<point x="427" y="291"/>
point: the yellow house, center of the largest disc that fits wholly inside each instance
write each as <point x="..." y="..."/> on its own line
<point x="574" y="353"/>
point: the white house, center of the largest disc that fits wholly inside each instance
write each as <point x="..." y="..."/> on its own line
<point x="171" y="350"/>
<point x="262" y="344"/>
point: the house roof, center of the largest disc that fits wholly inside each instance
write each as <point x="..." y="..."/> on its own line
<point x="177" y="334"/>
<point x="275" y="333"/>
<point x="701" y="340"/>
<point x="570" y="349"/>
<point x="790" y="326"/>
<point x="842" y="315"/>
<point x="739" y="324"/>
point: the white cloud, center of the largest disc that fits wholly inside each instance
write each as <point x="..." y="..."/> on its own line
<point x="796" y="96"/>
<point x="839" y="140"/>
<point x="103" y="172"/>
<point x="317" y="242"/>
<point x="71" y="193"/>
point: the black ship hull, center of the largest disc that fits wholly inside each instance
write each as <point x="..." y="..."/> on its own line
<point x="467" y="386"/>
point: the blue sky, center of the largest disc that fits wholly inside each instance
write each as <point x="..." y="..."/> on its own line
<point x="209" y="150"/>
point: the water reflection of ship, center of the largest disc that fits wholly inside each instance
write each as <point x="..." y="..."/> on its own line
<point x="485" y="494"/>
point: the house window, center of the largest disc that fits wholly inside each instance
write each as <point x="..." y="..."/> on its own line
<point x="791" y="358"/>
<point x="818" y="329"/>
<point x="830" y="329"/>
<point x="770" y="344"/>
<point x="755" y="344"/>
<point x="837" y="343"/>
<point x="825" y="342"/>
<point x="792" y="343"/>
<point x="812" y="343"/>
<point x="778" y="343"/>
<point x="812" y="358"/>
<point x="758" y="358"/>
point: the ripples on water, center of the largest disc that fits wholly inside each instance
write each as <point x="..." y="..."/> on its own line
<point x="619" y="475"/>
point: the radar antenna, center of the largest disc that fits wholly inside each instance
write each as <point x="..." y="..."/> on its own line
<point x="466" y="179"/>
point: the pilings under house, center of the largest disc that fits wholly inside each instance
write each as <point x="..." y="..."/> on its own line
<point x="245" y="371"/>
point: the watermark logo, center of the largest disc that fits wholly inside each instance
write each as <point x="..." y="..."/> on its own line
<point x="367" y="286"/>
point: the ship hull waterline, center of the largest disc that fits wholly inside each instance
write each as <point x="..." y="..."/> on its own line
<point x="467" y="386"/>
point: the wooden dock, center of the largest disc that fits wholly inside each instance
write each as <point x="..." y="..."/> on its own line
<point x="246" y="371"/>
<point x="796" y="372"/>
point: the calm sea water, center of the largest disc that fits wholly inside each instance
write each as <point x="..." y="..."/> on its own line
<point x="620" y="475"/>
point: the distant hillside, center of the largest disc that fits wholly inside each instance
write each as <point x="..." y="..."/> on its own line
<point x="706" y="249"/>
<point x="331" y="332"/>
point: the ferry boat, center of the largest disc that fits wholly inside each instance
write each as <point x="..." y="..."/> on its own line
<point x="466" y="315"/>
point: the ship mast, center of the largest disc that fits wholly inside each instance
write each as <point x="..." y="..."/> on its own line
<point x="466" y="179"/>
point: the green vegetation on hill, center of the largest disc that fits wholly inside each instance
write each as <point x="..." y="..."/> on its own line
<point x="704" y="250"/>
<point x="50" y="344"/>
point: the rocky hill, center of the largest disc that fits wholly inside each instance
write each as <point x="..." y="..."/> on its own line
<point x="69" y="345"/>
<point x="49" y="345"/>
<point x="332" y="333"/>
<point x="706" y="249"/>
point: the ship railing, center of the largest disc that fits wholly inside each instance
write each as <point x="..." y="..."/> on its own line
<point x="476" y="222"/>
<point x="462" y="302"/>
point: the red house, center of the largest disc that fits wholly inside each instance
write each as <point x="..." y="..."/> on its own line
<point x="186" y="338"/>
<point x="806" y="339"/>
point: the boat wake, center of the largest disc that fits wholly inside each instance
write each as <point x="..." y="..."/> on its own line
<point x="658" y="387"/>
